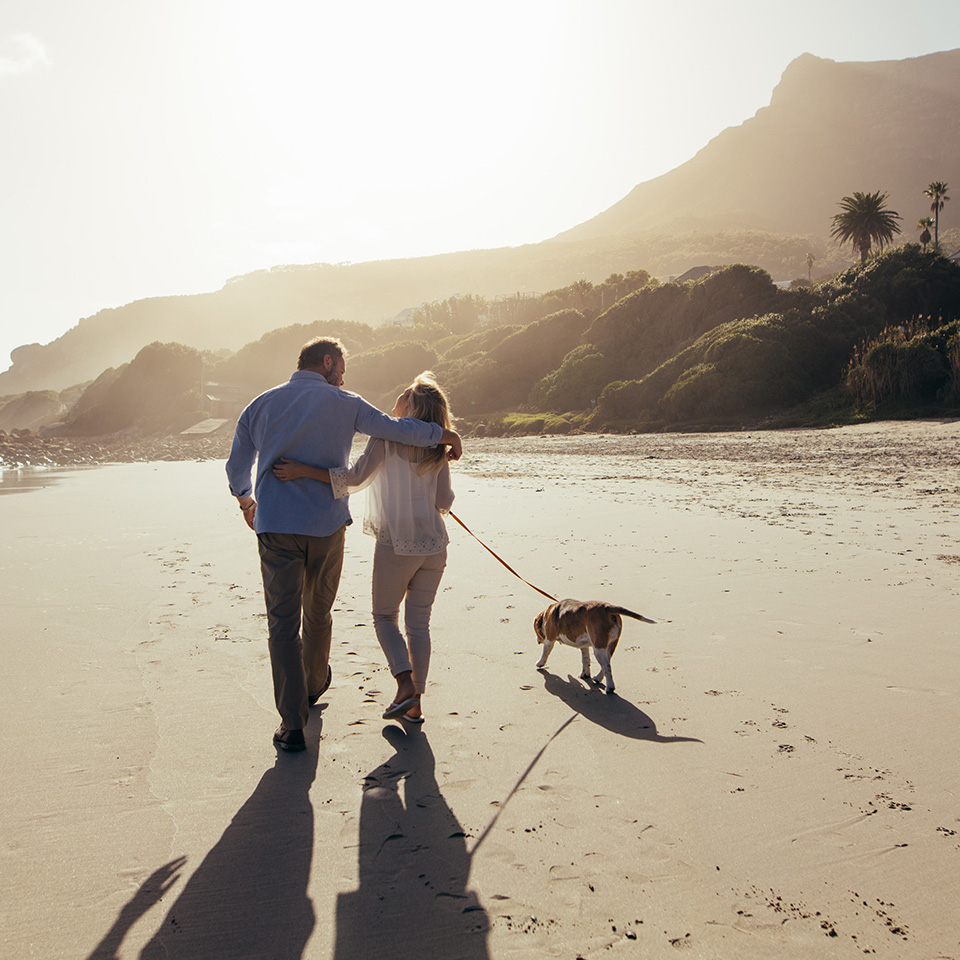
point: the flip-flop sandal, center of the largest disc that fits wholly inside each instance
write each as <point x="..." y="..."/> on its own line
<point x="396" y="710"/>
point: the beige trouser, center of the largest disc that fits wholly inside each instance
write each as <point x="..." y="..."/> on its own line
<point x="412" y="581"/>
<point x="300" y="579"/>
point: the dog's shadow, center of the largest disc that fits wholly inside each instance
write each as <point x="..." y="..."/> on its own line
<point x="609" y="711"/>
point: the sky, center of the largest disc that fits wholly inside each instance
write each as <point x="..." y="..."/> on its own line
<point x="155" y="148"/>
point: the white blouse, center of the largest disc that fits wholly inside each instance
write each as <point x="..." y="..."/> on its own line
<point x="403" y="507"/>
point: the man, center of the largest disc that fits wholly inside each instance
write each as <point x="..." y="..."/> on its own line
<point x="299" y="526"/>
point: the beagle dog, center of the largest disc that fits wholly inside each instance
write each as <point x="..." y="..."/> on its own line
<point x="587" y="624"/>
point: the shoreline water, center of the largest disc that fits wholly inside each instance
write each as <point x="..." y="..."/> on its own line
<point x="29" y="478"/>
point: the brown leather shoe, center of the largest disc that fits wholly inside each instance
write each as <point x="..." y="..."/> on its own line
<point x="291" y="740"/>
<point x="314" y="697"/>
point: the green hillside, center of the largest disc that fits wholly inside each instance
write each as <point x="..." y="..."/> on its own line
<point x="630" y="353"/>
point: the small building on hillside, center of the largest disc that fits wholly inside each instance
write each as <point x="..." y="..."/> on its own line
<point x="212" y="427"/>
<point x="224" y="399"/>
<point x="694" y="273"/>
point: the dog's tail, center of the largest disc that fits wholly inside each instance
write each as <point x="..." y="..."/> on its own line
<point x="629" y="613"/>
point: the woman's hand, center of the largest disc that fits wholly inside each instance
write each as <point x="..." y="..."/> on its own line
<point x="452" y="439"/>
<point x="285" y="469"/>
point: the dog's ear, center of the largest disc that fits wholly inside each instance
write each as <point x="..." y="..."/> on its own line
<point x="538" y="627"/>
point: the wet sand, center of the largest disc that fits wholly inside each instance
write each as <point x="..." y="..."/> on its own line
<point x="775" y="776"/>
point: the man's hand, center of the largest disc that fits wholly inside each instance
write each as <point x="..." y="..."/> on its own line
<point x="452" y="439"/>
<point x="248" y="507"/>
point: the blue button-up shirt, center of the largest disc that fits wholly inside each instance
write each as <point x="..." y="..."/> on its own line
<point x="309" y="420"/>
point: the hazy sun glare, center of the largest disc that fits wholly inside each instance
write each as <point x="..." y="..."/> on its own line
<point x="329" y="119"/>
<point x="161" y="148"/>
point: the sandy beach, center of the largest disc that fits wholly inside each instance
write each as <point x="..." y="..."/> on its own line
<point x="775" y="777"/>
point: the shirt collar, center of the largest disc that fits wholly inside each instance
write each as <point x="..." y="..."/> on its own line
<point x="308" y="375"/>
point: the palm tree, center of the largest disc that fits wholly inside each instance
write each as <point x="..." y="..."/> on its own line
<point x="924" y="224"/>
<point x="937" y="192"/>
<point x="811" y="259"/>
<point x="865" y="220"/>
<point x="581" y="290"/>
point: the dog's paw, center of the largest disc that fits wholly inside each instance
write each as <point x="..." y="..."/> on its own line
<point x="541" y="665"/>
<point x="608" y="690"/>
<point x="585" y="676"/>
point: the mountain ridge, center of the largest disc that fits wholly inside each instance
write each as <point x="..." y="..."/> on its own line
<point x="889" y="125"/>
<point x="818" y="107"/>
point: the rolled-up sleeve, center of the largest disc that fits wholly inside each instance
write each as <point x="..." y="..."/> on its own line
<point x="444" y="489"/>
<point x="352" y="479"/>
<point x="243" y="455"/>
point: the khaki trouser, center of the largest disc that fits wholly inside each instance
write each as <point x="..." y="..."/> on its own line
<point x="300" y="579"/>
<point x="412" y="581"/>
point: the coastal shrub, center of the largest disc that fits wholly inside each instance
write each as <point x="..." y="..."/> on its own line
<point x="728" y="345"/>
<point x="523" y="424"/>
<point x="898" y="286"/>
<point x="746" y="366"/>
<point x="449" y="342"/>
<point x="593" y="298"/>
<point x="904" y="364"/>
<point x="627" y="400"/>
<point x="462" y="382"/>
<point x="384" y="371"/>
<point x="541" y="346"/>
<point x="264" y="363"/>
<point x="392" y="333"/>
<point x="576" y="384"/>
<point x="827" y="334"/>
<point x="697" y="387"/>
<point x="730" y="293"/>
<point x="827" y="408"/>
<point x="812" y="354"/>
<point x="767" y="363"/>
<point x="476" y="343"/>
<point x="503" y="377"/>
<point x="738" y="367"/>
<point x="645" y="329"/>
<point x="639" y="331"/>
<point x="748" y="349"/>
<point x="952" y="393"/>
<point x="705" y="393"/>
<point x="461" y="369"/>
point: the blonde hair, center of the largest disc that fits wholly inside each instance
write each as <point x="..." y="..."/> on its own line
<point x="426" y="401"/>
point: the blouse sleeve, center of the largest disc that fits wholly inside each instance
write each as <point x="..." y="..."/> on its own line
<point x="352" y="479"/>
<point x="444" y="489"/>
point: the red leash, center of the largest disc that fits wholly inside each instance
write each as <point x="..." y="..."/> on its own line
<point x="500" y="559"/>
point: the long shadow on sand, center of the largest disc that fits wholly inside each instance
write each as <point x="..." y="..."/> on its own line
<point x="412" y="902"/>
<point x="248" y="898"/>
<point x="609" y="711"/>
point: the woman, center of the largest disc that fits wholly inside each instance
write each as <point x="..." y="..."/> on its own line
<point x="409" y="490"/>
